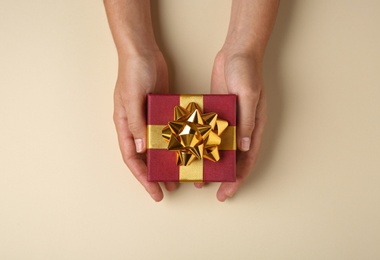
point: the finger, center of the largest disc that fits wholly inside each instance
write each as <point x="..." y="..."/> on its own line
<point x="171" y="186"/>
<point x="199" y="185"/>
<point x="135" y="112"/>
<point x="131" y="158"/>
<point x="247" y="104"/>
<point x="228" y="189"/>
<point x="246" y="160"/>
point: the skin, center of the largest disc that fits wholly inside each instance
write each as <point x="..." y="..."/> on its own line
<point x="237" y="70"/>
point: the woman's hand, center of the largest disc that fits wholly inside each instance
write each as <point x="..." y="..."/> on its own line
<point x="241" y="74"/>
<point x="142" y="70"/>
<point x="138" y="76"/>
<point x="238" y="70"/>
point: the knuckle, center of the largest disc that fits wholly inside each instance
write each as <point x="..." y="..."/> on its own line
<point x="247" y="126"/>
<point x="117" y="117"/>
<point x="129" y="158"/>
<point x="126" y="160"/>
<point x="134" y="126"/>
<point x="251" y="158"/>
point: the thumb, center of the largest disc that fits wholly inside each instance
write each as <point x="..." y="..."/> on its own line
<point x="135" y="109"/>
<point x="247" y="104"/>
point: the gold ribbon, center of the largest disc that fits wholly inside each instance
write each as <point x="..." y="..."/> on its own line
<point x="155" y="140"/>
<point x="194" y="135"/>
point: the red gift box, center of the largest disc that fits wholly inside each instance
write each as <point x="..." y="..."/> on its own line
<point x="162" y="163"/>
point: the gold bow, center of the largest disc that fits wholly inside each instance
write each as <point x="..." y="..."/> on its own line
<point x="194" y="135"/>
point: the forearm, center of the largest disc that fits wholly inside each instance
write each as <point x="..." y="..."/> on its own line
<point x="131" y="26"/>
<point x="250" y="26"/>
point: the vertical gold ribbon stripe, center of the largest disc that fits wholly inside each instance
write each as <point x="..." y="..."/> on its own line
<point x="184" y="100"/>
<point x="194" y="171"/>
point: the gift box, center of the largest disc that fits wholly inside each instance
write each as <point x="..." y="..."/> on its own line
<point x="191" y="138"/>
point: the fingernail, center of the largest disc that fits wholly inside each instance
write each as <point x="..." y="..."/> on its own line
<point x="157" y="197"/>
<point x="222" y="197"/>
<point x="198" y="185"/>
<point x="138" y="144"/>
<point x="171" y="186"/>
<point x="229" y="194"/>
<point x="245" y="143"/>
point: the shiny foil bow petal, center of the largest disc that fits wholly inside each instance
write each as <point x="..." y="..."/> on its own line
<point x="194" y="135"/>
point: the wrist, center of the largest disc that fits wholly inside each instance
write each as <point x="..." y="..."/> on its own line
<point x="242" y="43"/>
<point x="131" y="26"/>
<point x="146" y="56"/>
<point x="250" y="25"/>
<point x="138" y="48"/>
<point x="229" y="61"/>
<point x="231" y="51"/>
<point x="136" y="43"/>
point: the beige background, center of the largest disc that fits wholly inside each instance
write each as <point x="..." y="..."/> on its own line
<point x="65" y="193"/>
